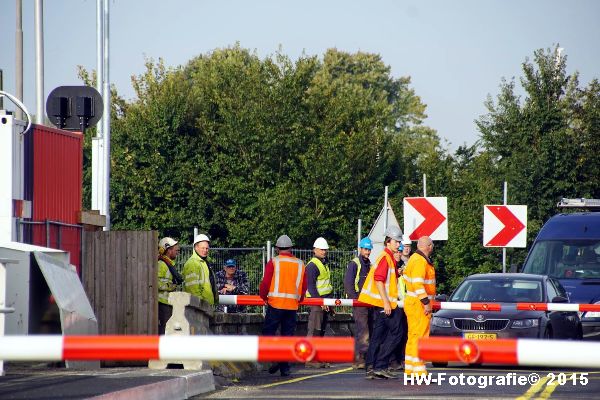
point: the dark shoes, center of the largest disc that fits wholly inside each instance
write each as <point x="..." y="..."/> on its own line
<point x="385" y="374"/>
<point x="396" y="366"/>
<point x="274" y="368"/>
<point x="277" y="367"/>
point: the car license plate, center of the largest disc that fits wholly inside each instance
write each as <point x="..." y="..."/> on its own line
<point x="480" y="336"/>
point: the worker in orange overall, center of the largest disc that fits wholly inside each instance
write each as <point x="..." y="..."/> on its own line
<point x="419" y="276"/>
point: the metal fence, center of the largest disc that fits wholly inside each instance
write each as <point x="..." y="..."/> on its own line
<point x="252" y="260"/>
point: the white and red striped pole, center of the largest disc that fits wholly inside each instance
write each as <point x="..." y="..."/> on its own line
<point x="253" y="300"/>
<point x="529" y="352"/>
<point x="205" y="348"/>
<point x="455" y="305"/>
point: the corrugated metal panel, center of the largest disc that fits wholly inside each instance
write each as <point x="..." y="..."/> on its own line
<point x="56" y="183"/>
<point x="57" y="174"/>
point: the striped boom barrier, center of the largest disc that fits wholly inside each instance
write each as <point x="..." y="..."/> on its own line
<point x="558" y="307"/>
<point x="253" y="300"/>
<point x="526" y="352"/>
<point x="205" y="348"/>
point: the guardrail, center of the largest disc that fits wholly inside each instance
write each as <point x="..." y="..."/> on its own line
<point x="176" y="347"/>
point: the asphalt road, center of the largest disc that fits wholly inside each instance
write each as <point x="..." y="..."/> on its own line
<point x="341" y="382"/>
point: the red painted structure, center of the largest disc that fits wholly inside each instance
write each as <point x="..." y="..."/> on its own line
<point x="53" y="183"/>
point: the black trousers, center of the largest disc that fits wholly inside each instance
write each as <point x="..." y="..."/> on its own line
<point x="285" y="321"/>
<point x="387" y="333"/>
<point x="164" y="313"/>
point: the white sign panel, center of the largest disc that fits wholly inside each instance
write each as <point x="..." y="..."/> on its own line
<point x="426" y="216"/>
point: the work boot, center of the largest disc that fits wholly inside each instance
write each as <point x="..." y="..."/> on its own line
<point x="385" y="373"/>
<point x="396" y="366"/>
<point x="325" y="365"/>
<point x="369" y="374"/>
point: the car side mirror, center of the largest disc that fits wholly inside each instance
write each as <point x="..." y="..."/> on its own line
<point x="559" y="299"/>
<point x="516" y="268"/>
<point x="441" y="297"/>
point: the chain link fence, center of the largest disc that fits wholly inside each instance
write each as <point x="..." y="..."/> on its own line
<point x="252" y="260"/>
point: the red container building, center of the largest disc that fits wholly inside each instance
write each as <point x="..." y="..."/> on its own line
<point x="53" y="183"/>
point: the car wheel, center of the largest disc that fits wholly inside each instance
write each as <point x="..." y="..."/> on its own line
<point x="439" y="364"/>
<point x="548" y="333"/>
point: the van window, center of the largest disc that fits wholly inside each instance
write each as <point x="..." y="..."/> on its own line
<point x="577" y="259"/>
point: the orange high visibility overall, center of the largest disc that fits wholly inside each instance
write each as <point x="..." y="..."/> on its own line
<point x="419" y="276"/>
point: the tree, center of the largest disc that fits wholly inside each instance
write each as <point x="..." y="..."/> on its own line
<point x="246" y="149"/>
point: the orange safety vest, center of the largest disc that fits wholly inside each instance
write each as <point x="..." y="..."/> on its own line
<point x="419" y="276"/>
<point x="286" y="284"/>
<point x="369" y="293"/>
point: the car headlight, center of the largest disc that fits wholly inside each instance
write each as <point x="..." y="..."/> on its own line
<point x="592" y="314"/>
<point x="525" y="323"/>
<point x="441" y="322"/>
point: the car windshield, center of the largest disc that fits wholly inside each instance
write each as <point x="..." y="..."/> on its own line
<point x="498" y="291"/>
<point x="564" y="259"/>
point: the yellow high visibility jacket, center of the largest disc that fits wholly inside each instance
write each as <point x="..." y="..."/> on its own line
<point x="165" y="280"/>
<point x="419" y="276"/>
<point x="323" y="279"/>
<point x="369" y="293"/>
<point x="196" y="275"/>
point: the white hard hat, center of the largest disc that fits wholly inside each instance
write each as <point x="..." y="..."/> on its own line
<point x="201" y="238"/>
<point x="167" y="242"/>
<point x="321" y="243"/>
<point x="284" y="242"/>
<point x="406" y="240"/>
<point x="394" y="232"/>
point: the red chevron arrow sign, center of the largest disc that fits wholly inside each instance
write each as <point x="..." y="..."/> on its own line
<point x="504" y="226"/>
<point x="426" y="216"/>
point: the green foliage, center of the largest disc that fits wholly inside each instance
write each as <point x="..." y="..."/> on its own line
<point x="246" y="149"/>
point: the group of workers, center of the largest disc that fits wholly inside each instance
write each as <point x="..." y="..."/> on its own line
<point x="400" y="287"/>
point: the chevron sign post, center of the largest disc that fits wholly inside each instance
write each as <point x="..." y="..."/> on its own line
<point x="426" y="216"/>
<point x="504" y="226"/>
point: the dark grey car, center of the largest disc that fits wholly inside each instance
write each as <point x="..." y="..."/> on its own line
<point x="507" y="289"/>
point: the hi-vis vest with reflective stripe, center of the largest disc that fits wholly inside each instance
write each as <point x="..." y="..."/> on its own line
<point x="323" y="280"/>
<point x="286" y="284"/>
<point x="369" y="293"/>
<point x="165" y="281"/>
<point x="419" y="276"/>
<point x="356" y="260"/>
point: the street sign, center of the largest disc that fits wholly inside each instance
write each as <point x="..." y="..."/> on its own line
<point x="504" y="226"/>
<point x="426" y="216"/>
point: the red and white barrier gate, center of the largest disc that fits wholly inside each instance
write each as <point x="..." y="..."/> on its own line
<point x="206" y="348"/>
<point x="253" y="300"/>
<point x="531" y="352"/>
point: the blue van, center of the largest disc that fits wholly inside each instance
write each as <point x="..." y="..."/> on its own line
<point x="568" y="248"/>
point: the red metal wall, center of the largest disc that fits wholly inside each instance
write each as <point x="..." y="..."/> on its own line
<point x="57" y="176"/>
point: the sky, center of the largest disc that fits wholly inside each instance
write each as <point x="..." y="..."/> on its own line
<point x="455" y="52"/>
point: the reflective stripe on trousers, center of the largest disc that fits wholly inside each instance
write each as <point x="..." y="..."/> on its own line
<point x="418" y="327"/>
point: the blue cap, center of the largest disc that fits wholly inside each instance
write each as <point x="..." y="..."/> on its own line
<point x="365" y="243"/>
<point x="230" y="263"/>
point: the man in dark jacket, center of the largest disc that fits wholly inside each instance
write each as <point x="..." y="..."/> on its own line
<point x="354" y="278"/>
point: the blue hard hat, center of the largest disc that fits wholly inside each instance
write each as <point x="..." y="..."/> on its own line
<point x="365" y="243"/>
<point x="230" y="263"/>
